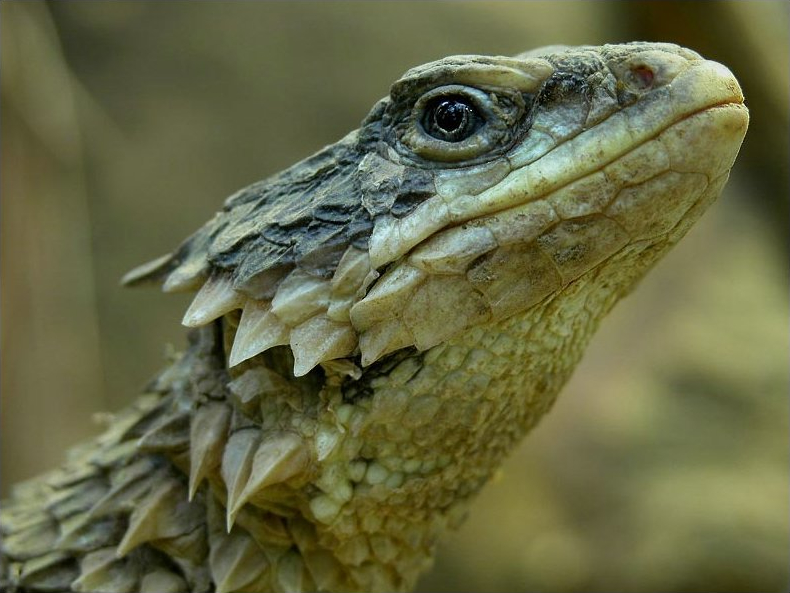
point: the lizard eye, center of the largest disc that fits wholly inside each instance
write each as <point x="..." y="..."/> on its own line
<point x="451" y="118"/>
<point x="457" y="124"/>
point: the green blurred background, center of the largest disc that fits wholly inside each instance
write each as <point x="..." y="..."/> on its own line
<point x="664" y="465"/>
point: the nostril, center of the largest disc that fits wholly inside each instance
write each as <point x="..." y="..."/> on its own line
<point x="642" y="76"/>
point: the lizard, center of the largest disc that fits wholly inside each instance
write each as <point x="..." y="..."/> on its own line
<point x="377" y="326"/>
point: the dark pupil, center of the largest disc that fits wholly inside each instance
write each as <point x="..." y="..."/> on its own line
<point x="451" y="119"/>
<point x="452" y="115"/>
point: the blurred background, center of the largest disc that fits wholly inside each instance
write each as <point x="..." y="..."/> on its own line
<point x="664" y="465"/>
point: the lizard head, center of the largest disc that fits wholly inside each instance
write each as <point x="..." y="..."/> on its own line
<point x="408" y="301"/>
<point x="479" y="187"/>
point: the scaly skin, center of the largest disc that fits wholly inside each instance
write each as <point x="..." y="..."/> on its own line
<point x="379" y="325"/>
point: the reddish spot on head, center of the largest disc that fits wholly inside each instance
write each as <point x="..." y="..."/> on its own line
<point x="643" y="76"/>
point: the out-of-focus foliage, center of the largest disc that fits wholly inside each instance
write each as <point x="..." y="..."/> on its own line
<point x="664" y="466"/>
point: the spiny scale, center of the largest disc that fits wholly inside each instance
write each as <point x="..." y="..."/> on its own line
<point x="87" y="534"/>
<point x="170" y="434"/>
<point x="132" y="483"/>
<point x="237" y="465"/>
<point x="259" y="329"/>
<point x="235" y="559"/>
<point x="103" y="571"/>
<point x="215" y="298"/>
<point x="320" y="339"/>
<point x="190" y="275"/>
<point x="278" y="458"/>
<point x="351" y="272"/>
<point x="164" y="513"/>
<point x="300" y="296"/>
<point x="293" y="317"/>
<point x="387" y="296"/>
<point x="208" y="434"/>
<point x="382" y="338"/>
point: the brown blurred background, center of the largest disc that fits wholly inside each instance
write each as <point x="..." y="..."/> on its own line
<point x="663" y="467"/>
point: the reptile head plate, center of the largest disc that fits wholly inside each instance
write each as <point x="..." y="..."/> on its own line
<point x="379" y="325"/>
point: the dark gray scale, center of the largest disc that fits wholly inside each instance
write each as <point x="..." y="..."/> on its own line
<point x="306" y="216"/>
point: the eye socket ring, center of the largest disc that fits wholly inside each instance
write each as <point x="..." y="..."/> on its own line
<point x="452" y="123"/>
<point x="456" y="125"/>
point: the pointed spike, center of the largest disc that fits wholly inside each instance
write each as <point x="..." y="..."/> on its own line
<point x="102" y="571"/>
<point x="178" y="281"/>
<point x="129" y="485"/>
<point x="151" y="271"/>
<point x="143" y="520"/>
<point x="97" y="560"/>
<point x="208" y="434"/>
<point x="350" y="272"/>
<point x="279" y="457"/>
<point x="299" y="296"/>
<point x="164" y="513"/>
<point x="236" y="562"/>
<point x="190" y="273"/>
<point x="84" y="534"/>
<point x="320" y="339"/>
<point x="263" y="285"/>
<point x="383" y="338"/>
<point x="169" y="434"/>
<point x="215" y="298"/>
<point x="387" y="296"/>
<point x="190" y="547"/>
<point x="77" y="498"/>
<point x="236" y="467"/>
<point x="259" y="330"/>
<point x="69" y="527"/>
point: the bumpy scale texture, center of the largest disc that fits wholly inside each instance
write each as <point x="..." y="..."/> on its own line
<point x="377" y="326"/>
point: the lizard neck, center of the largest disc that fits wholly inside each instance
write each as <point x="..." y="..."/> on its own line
<point x="438" y="424"/>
